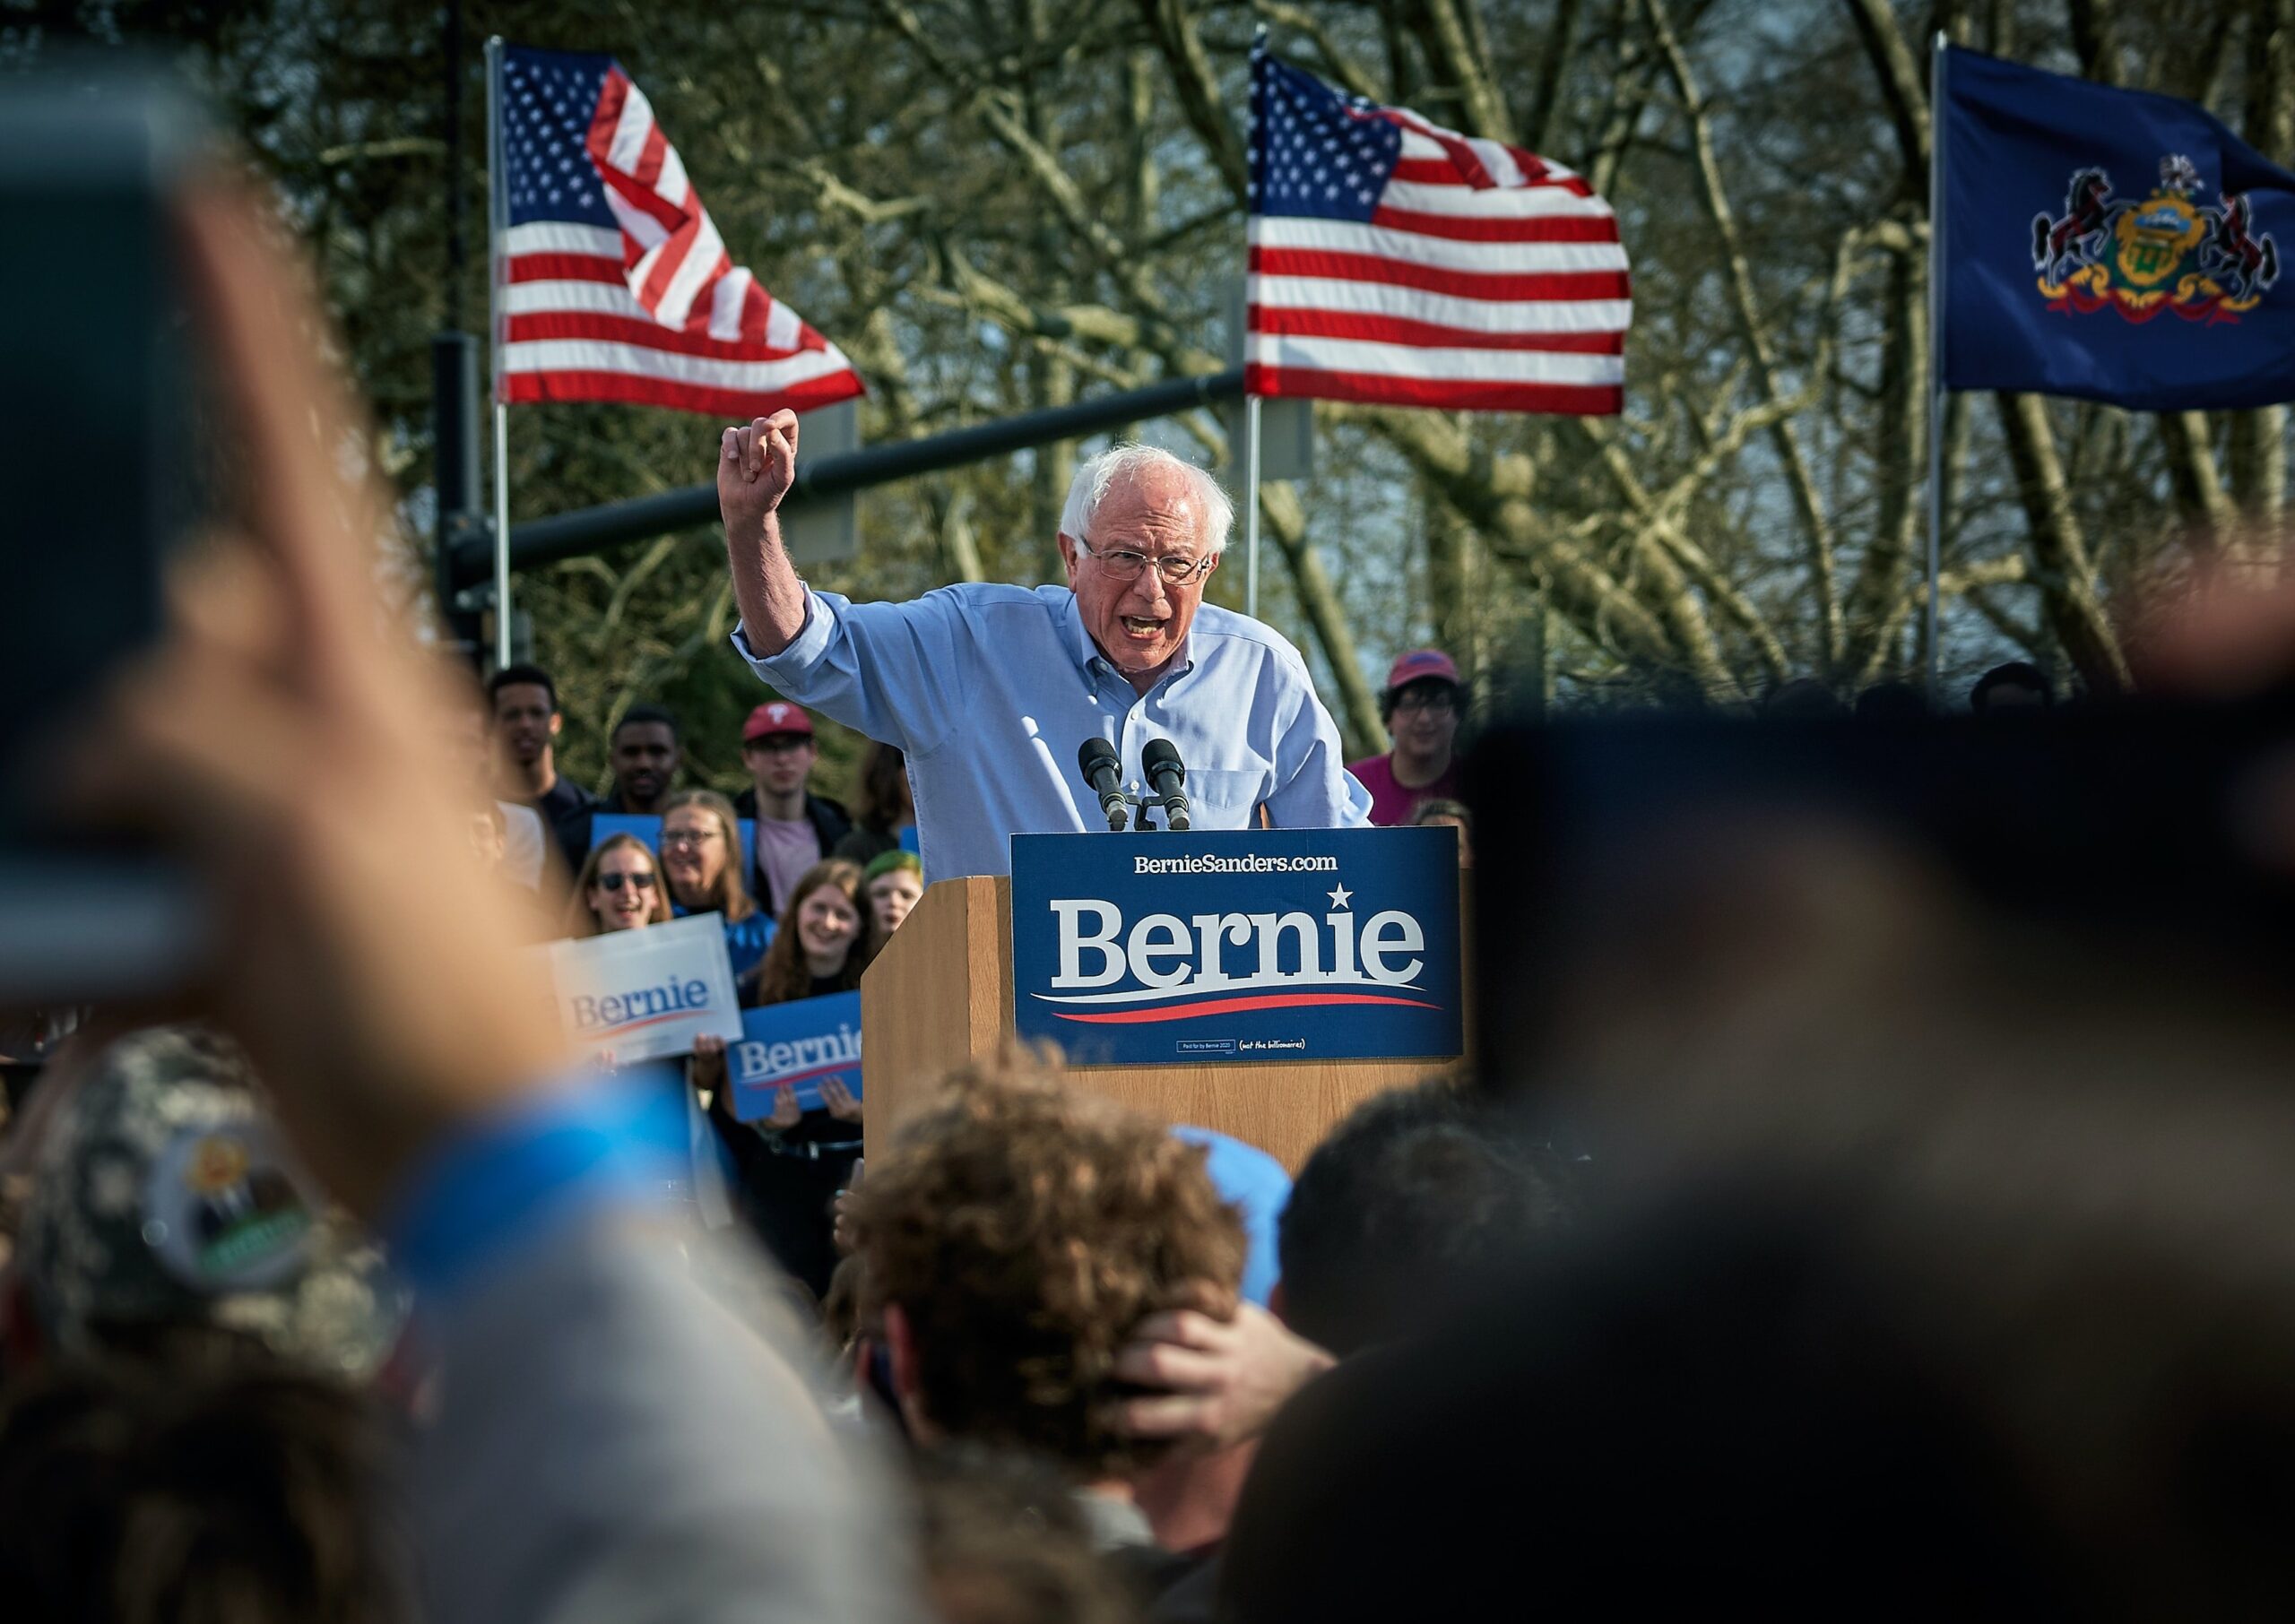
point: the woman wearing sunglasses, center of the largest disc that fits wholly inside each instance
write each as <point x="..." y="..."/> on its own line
<point x="619" y="889"/>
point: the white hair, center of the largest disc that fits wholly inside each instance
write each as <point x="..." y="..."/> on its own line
<point x="1093" y="475"/>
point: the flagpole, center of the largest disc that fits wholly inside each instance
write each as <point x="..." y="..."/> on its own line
<point x="1936" y="125"/>
<point x="1251" y="504"/>
<point x="497" y="224"/>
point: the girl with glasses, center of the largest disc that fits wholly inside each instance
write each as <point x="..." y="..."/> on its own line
<point x="701" y="860"/>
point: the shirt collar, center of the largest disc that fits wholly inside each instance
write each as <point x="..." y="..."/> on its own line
<point x="1085" y="653"/>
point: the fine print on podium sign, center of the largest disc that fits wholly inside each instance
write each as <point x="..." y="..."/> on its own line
<point x="1239" y="946"/>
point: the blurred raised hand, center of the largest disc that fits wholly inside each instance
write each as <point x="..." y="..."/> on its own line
<point x="277" y="741"/>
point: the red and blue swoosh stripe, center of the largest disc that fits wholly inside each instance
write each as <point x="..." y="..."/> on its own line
<point x="1242" y="1005"/>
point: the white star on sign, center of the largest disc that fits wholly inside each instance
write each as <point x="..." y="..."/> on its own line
<point x="1338" y="896"/>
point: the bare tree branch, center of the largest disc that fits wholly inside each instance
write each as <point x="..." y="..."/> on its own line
<point x="1334" y="60"/>
<point x="1447" y="36"/>
<point x="1754" y="327"/>
<point x="1537" y="118"/>
<point x="1902" y="90"/>
<point x="1198" y="88"/>
<point x="2066" y="575"/>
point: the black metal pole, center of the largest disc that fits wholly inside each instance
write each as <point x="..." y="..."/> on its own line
<point x="455" y="418"/>
<point x="593" y="528"/>
<point x="453" y="368"/>
<point x="456" y="244"/>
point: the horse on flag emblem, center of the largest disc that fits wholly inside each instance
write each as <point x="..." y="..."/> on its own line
<point x="2167" y="253"/>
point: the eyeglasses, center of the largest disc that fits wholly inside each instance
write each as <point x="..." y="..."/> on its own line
<point x="615" y="882"/>
<point x="1175" y="571"/>
<point x="1437" y="702"/>
<point x="688" y="837"/>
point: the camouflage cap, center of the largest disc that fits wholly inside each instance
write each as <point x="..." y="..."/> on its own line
<point x="164" y="1193"/>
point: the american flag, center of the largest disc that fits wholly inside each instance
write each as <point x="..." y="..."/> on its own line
<point x="613" y="283"/>
<point x="1395" y="262"/>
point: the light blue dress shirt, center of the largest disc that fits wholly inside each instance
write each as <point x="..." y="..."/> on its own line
<point x="991" y="689"/>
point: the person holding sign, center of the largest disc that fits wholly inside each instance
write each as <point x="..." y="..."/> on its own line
<point x="619" y="888"/>
<point x="794" y="1162"/>
<point x="701" y="845"/>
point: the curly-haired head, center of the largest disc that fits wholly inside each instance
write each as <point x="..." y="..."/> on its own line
<point x="1022" y="1229"/>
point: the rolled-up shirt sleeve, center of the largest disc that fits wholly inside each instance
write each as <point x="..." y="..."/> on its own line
<point x="895" y="671"/>
<point x="1314" y="790"/>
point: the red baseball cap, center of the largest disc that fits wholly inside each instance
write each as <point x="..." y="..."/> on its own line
<point x="1421" y="664"/>
<point x="776" y="716"/>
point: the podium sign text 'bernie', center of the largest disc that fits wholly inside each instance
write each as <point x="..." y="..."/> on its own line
<point x="1250" y="945"/>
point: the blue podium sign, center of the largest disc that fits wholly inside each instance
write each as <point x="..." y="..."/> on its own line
<point x="1243" y="944"/>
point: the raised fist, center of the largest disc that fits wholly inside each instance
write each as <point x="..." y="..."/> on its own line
<point x="756" y="466"/>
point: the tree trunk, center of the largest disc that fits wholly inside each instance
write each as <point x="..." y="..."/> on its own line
<point x="1880" y="589"/>
<point x="2066" y="577"/>
<point x="1358" y="706"/>
<point x="2258" y="439"/>
<point x="2200" y="499"/>
<point x="1448" y="576"/>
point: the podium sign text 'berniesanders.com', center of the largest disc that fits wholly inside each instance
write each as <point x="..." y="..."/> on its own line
<point x="1250" y="945"/>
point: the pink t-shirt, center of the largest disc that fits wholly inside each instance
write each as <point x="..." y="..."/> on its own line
<point x="784" y="851"/>
<point x="1390" y="802"/>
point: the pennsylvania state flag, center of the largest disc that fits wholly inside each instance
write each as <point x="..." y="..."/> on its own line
<point x="2114" y="245"/>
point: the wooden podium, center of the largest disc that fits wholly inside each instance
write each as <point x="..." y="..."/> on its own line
<point x="942" y="992"/>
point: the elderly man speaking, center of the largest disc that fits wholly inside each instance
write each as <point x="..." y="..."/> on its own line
<point x="991" y="689"/>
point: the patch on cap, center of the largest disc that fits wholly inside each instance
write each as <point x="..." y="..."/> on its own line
<point x="776" y="716"/>
<point x="223" y="1212"/>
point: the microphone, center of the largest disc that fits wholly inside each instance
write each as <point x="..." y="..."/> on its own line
<point x="1161" y="760"/>
<point x="1101" y="765"/>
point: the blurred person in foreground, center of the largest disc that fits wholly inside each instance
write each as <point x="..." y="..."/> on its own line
<point x="1801" y="699"/>
<point x="196" y="1419"/>
<point x="608" y="1442"/>
<point x="164" y="1197"/>
<point x="896" y="880"/>
<point x="1422" y="704"/>
<point x="1005" y="1543"/>
<point x="619" y="888"/>
<point x="882" y="809"/>
<point x="1408" y="1207"/>
<point x="1891" y="702"/>
<point x="701" y="860"/>
<point x="205" y="1481"/>
<point x="792" y="1163"/>
<point x="2017" y="686"/>
<point x="1946" y="1256"/>
<point x="1010" y="1244"/>
<point x="1416" y="1202"/>
<point x="795" y="827"/>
